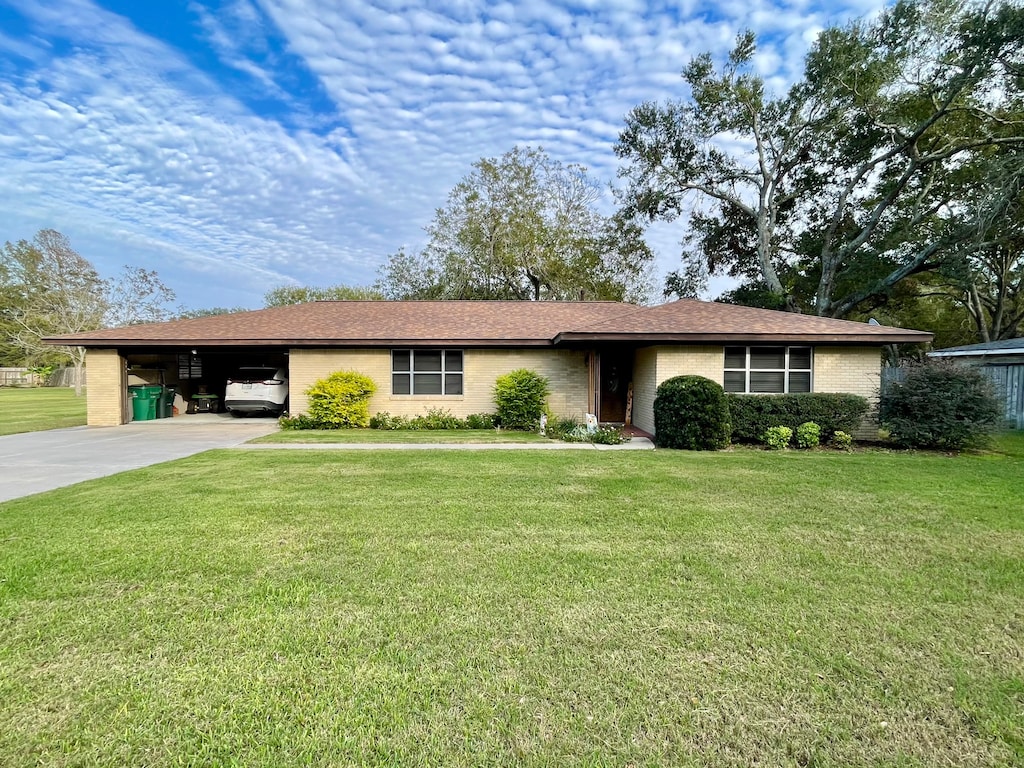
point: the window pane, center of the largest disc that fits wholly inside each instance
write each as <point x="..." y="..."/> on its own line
<point x="400" y="360"/>
<point x="453" y="383"/>
<point x="800" y="358"/>
<point x="800" y="381"/>
<point x="453" y="360"/>
<point x="768" y="357"/>
<point x="735" y="381"/>
<point x="426" y="383"/>
<point x="400" y="384"/>
<point x="765" y="381"/>
<point x="427" y="360"/>
<point x="735" y="357"/>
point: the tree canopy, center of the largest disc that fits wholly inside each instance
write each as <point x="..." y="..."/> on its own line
<point x="47" y="288"/>
<point x="522" y="227"/>
<point x="896" y="149"/>
<point x="300" y="294"/>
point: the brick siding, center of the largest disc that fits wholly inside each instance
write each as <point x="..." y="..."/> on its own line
<point x="105" y="403"/>
<point x="566" y="370"/>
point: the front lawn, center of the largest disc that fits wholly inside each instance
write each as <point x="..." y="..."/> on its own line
<point x="518" y="608"/>
<point x="400" y="436"/>
<point x="34" y="409"/>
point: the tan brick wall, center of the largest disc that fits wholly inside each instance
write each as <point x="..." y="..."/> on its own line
<point x="854" y="370"/>
<point x="566" y="369"/>
<point x="706" y="361"/>
<point x="645" y="382"/>
<point x="105" y="393"/>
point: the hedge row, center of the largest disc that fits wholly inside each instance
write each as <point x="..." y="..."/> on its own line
<point x="753" y="415"/>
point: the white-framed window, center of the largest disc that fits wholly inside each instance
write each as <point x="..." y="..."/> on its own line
<point x="768" y="370"/>
<point x="426" y="371"/>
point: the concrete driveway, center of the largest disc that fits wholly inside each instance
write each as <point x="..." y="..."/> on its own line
<point x="41" y="461"/>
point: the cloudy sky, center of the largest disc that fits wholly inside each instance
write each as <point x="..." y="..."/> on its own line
<point x="238" y="145"/>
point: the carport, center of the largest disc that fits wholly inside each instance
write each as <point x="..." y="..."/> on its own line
<point x="197" y="374"/>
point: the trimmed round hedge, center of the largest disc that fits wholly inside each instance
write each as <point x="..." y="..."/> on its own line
<point x="691" y="412"/>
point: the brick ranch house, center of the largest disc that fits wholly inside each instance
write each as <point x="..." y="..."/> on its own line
<point x="448" y="354"/>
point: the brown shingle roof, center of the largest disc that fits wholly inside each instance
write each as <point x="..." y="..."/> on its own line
<point x="689" y="320"/>
<point x="482" y="323"/>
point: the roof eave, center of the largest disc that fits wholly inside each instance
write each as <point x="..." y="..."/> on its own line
<point x="295" y="343"/>
<point x="906" y="337"/>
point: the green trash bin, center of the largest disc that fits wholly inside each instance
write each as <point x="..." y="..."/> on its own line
<point x="165" y="409"/>
<point x="144" y="402"/>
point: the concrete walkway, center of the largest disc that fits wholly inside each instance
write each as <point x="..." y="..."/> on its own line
<point x="34" y="462"/>
<point x="636" y="444"/>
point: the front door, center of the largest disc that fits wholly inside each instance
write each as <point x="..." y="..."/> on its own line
<point x="616" y="374"/>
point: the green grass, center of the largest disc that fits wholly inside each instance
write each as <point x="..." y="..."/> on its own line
<point x="400" y="436"/>
<point x="516" y="608"/>
<point x="34" y="409"/>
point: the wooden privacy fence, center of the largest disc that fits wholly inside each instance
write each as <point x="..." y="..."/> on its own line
<point x="1009" y="383"/>
<point x="21" y="377"/>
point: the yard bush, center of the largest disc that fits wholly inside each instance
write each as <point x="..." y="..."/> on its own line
<point x="480" y="421"/>
<point x="520" y="397"/>
<point x="842" y="440"/>
<point x="940" y="405"/>
<point x="341" y="400"/>
<point x="808" y="435"/>
<point x="691" y="412"/>
<point x="777" y="438"/>
<point x="751" y="415"/>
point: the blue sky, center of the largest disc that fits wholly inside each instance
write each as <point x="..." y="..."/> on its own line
<point x="238" y="145"/>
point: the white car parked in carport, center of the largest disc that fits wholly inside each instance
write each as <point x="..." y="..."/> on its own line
<point x="257" y="389"/>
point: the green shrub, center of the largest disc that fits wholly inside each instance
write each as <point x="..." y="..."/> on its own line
<point x="600" y="436"/>
<point x="342" y="400"/>
<point x="777" y="438"/>
<point x="842" y="440"/>
<point x="751" y="415"/>
<point x="940" y="405"/>
<point x="691" y="412"/>
<point x="385" y="420"/>
<point x="559" y="427"/>
<point x="520" y="397"/>
<point x="480" y="421"/>
<point x="437" y="418"/>
<point x="808" y="435"/>
<point x="301" y="421"/>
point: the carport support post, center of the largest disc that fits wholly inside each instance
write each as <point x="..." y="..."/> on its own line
<point x="106" y="389"/>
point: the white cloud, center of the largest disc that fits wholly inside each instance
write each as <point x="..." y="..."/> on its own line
<point x="121" y="142"/>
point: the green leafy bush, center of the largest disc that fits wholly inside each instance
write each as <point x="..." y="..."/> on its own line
<point x="777" y="438"/>
<point x="600" y="436"/>
<point x="808" y="435"/>
<point x="519" y="396"/>
<point x="437" y="418"/>
<point x="480" y="421"/>
<point x="751" y="415"/>
<point x="691" y="412"/>
<point x="940" y="405"/>
<point x="342" y="400"/>
<point x="384" y="420"/>
<point x="301" y="421"/>
<point x="842" y="440"/>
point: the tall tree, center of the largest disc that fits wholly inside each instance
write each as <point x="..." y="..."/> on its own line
<point x="62" y="294"/>
<point x="833" y="193"/>
<point x="136" y="296"/>
<point x="48" y="289"/>
<point x="523" y="227"/>
<point x="300" y="294"/>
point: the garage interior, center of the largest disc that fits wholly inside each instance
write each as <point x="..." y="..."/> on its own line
<point x="198" y="376"/>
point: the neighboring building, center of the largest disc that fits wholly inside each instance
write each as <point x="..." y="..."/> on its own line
<point x="1003" y="363"/>
<point x="601" y="357"/>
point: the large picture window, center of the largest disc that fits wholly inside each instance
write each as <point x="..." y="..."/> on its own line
<point x="426" y="372"/>
<point x="767" y="370"/>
